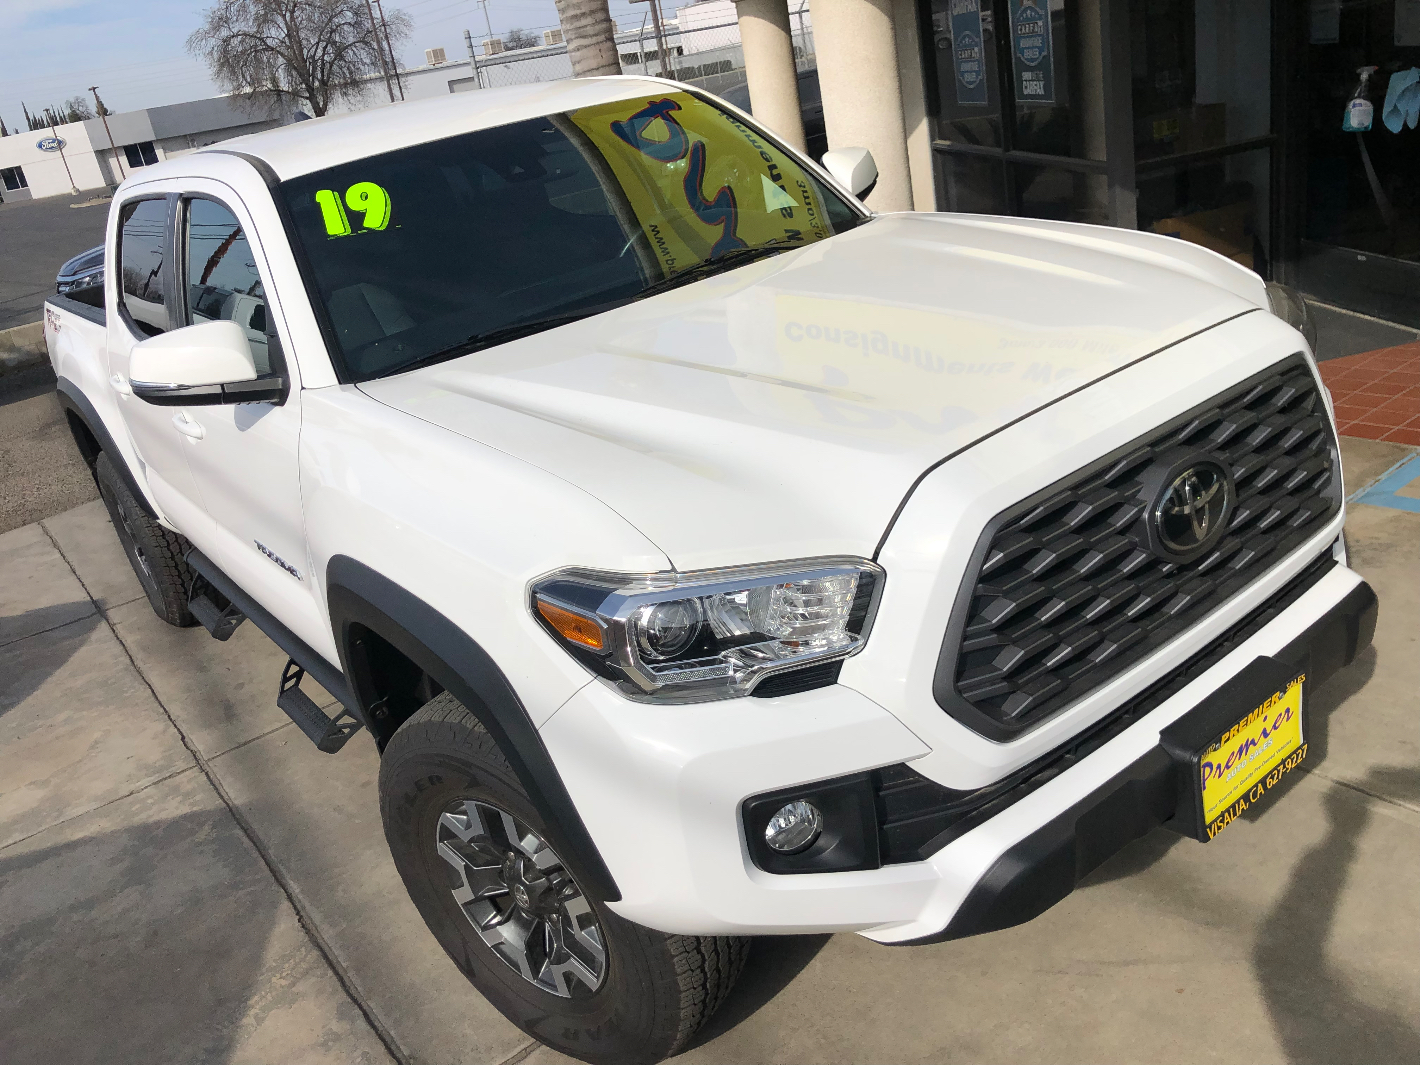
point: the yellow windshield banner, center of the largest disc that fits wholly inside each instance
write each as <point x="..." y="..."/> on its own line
<point x="699" y="182"/>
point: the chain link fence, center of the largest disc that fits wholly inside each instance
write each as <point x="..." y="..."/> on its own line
<point x="709" y="56"/>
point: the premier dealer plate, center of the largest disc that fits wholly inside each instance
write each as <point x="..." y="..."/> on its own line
<point x="1235" y="747"/>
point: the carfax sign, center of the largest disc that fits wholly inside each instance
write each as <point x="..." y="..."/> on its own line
<point x="1030" y="46"/>
<point x="968" y="52"/>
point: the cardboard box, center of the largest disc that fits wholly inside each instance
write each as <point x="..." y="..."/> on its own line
<point x="1188" y="129"/>
<point x="1225" y="230"/>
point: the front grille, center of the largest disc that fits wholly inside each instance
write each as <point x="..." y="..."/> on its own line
<point x="918" y="817"/>
<point x="1067" y="593"/>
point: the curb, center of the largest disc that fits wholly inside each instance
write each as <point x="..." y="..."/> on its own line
<point x="22" y="347"/>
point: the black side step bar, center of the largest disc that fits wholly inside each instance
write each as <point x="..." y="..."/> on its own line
<point x="213" y="609"/>
<point x="327" y="735"/>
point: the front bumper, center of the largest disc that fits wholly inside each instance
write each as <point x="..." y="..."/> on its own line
<point x="661" y="790"/>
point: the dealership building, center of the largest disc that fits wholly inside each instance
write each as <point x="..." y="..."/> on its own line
<point x="79" y="156"/>
<point x="92" y="155"/>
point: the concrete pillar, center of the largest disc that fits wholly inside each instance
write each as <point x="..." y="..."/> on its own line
<point x="914" y="106"/>
<point x="769" y="67"/>
<point x="862" y="100"/>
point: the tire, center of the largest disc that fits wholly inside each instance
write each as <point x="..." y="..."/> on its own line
<point x="444" y="784"/>
<point x="155" y="553"/>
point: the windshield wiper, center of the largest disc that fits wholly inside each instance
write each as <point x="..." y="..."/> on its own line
<point x="718" y="265"/>
<point x="492" y="337"/>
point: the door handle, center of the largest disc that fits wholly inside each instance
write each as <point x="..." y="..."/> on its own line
<point x="188" y="427"/>
<point x="120" y="385"/>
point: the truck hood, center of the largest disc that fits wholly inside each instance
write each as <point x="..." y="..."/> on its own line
<point x="785" y="408"/>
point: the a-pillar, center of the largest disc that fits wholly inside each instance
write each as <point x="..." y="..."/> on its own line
<point x="862" y="98"/>
<point x="769" y="67"/>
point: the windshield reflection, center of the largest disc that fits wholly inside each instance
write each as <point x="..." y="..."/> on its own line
<point x="436" y="250"/>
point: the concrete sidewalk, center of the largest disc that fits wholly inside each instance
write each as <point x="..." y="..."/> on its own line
<point x="183" y="877"/>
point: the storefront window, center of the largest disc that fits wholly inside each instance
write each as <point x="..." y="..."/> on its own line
<point x="1223" y="204"/>
<point x="1064" y="195"/>
<point x="974" y="184"/>
<point x="1051" y="83"/>
<point x="1360" y="219"/>
<point x="964" y="47"/>
<point x="1056" y="78"/>
<point x="1201" y="74"/>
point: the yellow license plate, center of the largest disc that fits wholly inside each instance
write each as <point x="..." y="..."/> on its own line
<point x="1251" y="757"/>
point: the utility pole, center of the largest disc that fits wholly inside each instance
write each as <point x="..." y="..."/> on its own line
<point x="472" y="59"/>
<point x="53" y="133"/>
<point x="103" y="114"/>
<point x="486" y="20"/>
<point x="394" y="64"/>
<point x="660" y="37"/>
<point x="375" y="29"/>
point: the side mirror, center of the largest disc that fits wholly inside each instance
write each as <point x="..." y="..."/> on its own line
<point x="852" y="167"/>
<point x="202" y="364"/>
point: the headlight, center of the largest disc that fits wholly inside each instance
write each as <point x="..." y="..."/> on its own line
<point x="710" y="634"/>
<point x="1288" y="305"/>
<point x="87" y="281"/>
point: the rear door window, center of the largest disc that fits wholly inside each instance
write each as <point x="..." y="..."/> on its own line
<point x="142" y="248"/>
<point x="222" y="279"/>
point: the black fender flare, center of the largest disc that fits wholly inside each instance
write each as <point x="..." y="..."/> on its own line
<point x="73" y="400"/>
<point x="357" y="595"/>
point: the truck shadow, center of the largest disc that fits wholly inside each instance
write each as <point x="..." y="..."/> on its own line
<point x="151" y="941"/>
<point x="1317" y="1014"/>
<point x="53" y="634"/>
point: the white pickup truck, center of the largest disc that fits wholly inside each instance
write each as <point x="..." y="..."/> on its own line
<point x="706" y="555"/>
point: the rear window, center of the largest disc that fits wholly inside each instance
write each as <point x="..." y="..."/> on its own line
<point x="417" y="251"/>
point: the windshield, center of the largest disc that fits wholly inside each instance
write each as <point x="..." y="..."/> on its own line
<point x="435" y="250"/>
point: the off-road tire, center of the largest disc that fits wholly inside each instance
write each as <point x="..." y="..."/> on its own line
<point x="155" y="553"/>
<point x="658" y="989"/>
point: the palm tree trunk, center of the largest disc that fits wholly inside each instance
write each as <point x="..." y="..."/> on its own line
<point x="591" y="37"/>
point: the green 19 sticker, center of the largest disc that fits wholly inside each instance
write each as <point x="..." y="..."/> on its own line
<point x="363" y="196"/>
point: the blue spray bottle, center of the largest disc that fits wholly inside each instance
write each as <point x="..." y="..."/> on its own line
<point x="1359" y="110"/>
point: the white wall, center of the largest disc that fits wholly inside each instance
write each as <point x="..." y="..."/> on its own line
<point x="45" y="171"/>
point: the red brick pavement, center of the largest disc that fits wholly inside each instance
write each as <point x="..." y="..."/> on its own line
<point x="1377" y="393"/>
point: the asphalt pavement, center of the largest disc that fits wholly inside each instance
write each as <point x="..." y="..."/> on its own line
<point x="36" y="238"/>
<point x="185" y="878"/>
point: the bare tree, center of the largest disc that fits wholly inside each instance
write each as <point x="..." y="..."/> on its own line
<point x="591" y="37"/>
<point x="77" y="109"/>
<point x="518" y="38"/>
<point x="275" y="50"/>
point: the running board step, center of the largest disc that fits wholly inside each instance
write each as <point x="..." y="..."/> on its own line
<point x="217" y="614"/>
<point x="328" y="736"/>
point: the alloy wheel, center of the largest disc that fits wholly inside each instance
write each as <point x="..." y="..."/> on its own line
<point x="521" y="899"/>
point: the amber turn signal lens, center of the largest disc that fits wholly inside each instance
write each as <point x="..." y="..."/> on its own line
<point x="573" y="627"/>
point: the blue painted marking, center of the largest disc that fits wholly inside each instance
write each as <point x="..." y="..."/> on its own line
<point x="1383" y="492"/>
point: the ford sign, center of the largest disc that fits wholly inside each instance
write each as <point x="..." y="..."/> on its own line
<point x="50" y="144"/>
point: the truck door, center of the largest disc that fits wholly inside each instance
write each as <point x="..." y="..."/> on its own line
<point x="145" y="309"/>
<point x="245" y="455"/>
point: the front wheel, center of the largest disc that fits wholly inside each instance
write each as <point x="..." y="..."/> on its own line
<point x="503" y="898"/>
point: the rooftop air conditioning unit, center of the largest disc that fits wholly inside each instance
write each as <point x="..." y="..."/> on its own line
<point x="492" y="46"/>
<point x="551" y="36"/>
<point x="435" y="56"/>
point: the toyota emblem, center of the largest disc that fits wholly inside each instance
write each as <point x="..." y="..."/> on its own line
<point x="1189" y="514"/>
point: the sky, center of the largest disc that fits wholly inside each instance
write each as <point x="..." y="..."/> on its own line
<point x="51" y="50"/>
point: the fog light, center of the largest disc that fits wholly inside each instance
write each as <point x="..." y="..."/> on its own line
<point x="793" y="828"/>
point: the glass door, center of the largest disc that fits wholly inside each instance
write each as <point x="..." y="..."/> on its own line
<point x="1019" y="94"/>
<point x="1201" y="87"/>
<point x="1359" y="228"/>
